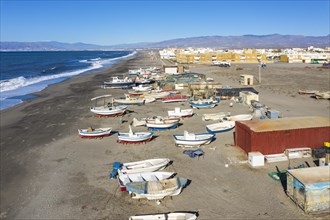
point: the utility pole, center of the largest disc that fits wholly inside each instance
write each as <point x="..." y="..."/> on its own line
<point x="259" y="73"/>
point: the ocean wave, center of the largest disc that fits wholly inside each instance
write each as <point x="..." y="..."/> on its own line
<point x="21" y="81"/>
<point x="11" y="88"/>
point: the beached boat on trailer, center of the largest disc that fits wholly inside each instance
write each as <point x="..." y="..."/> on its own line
<point x="134" y="137"/>
<point x="140" y="177"/>
<point x="166" y="216"/>
<point x="107" y="109"/>
<point x="117" y="83"/>
<point x="94" y="133"/>
<point x="153" y="190"/>
<point x="150" y="165"/>
<point x="220" y="127"/>
<point x="193" y="140"/>
<point x="178" y="112"/>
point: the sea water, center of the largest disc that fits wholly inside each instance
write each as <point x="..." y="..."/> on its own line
<point x="23" y="73"/>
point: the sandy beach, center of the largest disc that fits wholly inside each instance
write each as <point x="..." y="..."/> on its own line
<point x="48" y="172"/>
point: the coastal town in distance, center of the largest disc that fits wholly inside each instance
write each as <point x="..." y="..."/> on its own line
<point x="164" y="110"/>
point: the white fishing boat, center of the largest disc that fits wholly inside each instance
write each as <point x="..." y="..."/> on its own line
<point x="107" y="108"/>
<point x="204" y="103"/>
<point x="94" y="133"/>
<point x="157" y="94"/>
<point x="242" y="117"/>
<point x="143" y="121"/>
<point x="220" y="127"/>
<point x="141" y="88"/>
<point x="140" y="177"/>
<point x="134" y="137"/>
<point x="215" y="116"/>
<point x="166" y="216"/>
<point x="162" y="124"/>
<point x="178" y="112"/>
<point x="115" y="82"/>
<point x="129" y="100"/>
<point x="150" y="165"/>
<point x="153" y="190"/>
<point x="193" y="140"/>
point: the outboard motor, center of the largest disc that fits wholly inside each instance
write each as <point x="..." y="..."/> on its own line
<point x="116" y="166"/>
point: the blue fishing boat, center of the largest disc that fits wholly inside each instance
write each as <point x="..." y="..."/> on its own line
<point x="204" y="103"/>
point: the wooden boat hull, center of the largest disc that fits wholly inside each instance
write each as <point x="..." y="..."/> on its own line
<point x="185" y="113"/>
<point x="129" y="102"/>
<point x="243" y="117"/>
<point x="162" y="126"/>
<point x="150" y="165"/>
<point x="153" y="190"/>
<point x="138" y="137"/>
<point x="204" y="105"/>
<point x="140" y="177"/>
<point x="166" y="216"/>
<point x="97" y="133"/>
<point x="220" y="127"/>
<point x="197" y="140"/>
<point x="109" y="111"/>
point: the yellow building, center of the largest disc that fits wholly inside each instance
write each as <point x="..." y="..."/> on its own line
<point x="248" y="56"/>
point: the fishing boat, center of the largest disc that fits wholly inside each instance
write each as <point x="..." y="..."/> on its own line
<point x="204" y="103"/>
<point x="134" y="137"/>
<point x="143" y="121"/>
<point x="161" y="124"/>
<point x="215" y="116"/>
<point x="157" y="94"/>
<point x="94" y="133"/>
<point x="107" y="108"/>
<point x="150" y="165"/>
<point x="143" y="81"/>
<point x="166" y="216"/>
<point x="220" y="127"/>
<point x="140" y="177"/>
<point x="193" y="140"/>
<point x="175" y="98"/>
<point x="115" y="82"/>
<point x="153" y="190"/>
<point x="242" y="117"/>
<point x="141" y="88"/>
<point x="128" y="100"/>
<point x="183" y="113"/>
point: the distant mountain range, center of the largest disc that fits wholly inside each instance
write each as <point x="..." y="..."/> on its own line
<point x="225" y="42"/>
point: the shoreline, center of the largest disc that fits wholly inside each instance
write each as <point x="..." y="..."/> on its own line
<point x="48" y="172"/>
<point x="34" y="95"/>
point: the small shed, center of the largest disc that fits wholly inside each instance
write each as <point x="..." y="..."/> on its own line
<point x="246" y="80"/>
<point x="309" y="188"/>
<point x="276" y="135"/>
<point x="171" y="69"/>
<point x="248" y="96"/>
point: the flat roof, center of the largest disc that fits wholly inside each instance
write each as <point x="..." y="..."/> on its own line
<point x="312" y="175"/>
<point x="287" y="123"/>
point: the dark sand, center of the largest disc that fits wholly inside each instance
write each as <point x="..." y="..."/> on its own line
<point x="48" y="172"/>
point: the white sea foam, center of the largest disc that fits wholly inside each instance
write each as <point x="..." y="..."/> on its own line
<point x="21" y="86"/>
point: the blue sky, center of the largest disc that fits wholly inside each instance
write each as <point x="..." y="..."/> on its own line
<point x="116" y="22"/>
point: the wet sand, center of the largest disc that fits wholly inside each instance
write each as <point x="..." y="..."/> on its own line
<point x="48" y="172"/>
